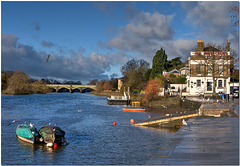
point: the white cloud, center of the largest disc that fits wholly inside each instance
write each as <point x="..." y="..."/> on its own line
<point x="211" y="17"/>
<point x="142" y="30"/>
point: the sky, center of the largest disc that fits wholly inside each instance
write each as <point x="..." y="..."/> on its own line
<point x="89" y="40"/>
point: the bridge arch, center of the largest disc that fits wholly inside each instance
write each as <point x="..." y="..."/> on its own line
<point x="72" y="88"/>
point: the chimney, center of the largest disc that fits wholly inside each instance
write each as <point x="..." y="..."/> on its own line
<point x="200" y="45"/>
<point x="228" y="46"/>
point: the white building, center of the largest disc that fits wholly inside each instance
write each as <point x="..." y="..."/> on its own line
<point x="209" y="65"/>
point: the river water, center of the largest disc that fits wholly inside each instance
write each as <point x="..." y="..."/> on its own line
<point x="88" y="123"/>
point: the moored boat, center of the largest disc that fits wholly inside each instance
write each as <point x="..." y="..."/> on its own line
<point x="27" y="133"/>
<point x="118" y="100"/>
<point x="52" y="134"/>
<point x="134" y="109"/>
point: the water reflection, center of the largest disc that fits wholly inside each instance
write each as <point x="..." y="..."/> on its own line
<point x="161" y="129"/>
<point x="35" y="147"/>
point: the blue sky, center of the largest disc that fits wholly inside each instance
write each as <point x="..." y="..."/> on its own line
<point x="88" y="40"/>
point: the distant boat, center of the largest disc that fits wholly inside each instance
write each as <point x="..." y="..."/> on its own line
<point x="134" y="109"/>
<point x="118" y="100"/>
<point x="27" y="133"/>
<point x="52" y="134"/>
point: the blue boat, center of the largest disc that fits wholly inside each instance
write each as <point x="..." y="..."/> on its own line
<point x="27" y="133"/>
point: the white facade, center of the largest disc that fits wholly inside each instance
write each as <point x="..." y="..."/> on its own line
<point x="204" y="85"/>
<point x="205" y="62"/>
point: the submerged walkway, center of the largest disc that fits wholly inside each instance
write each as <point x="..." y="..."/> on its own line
<point x="211" y="141"/>
<point x="166" y="119"/>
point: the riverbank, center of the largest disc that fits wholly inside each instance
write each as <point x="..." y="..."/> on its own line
<point x="170" y="105"/>
<point x="206" y="141"/>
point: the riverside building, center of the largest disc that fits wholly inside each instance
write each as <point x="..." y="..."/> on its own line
<point x="209" y="70"/>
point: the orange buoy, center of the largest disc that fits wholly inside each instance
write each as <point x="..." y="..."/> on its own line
<point x="132" y="121"/>
<point x="55" y="145"/>
<point x="114" y="123"/>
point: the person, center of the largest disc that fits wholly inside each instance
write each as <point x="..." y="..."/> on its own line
<point x="223" y="96"/>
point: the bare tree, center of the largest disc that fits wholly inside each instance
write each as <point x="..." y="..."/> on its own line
<point x="18" y="83"/>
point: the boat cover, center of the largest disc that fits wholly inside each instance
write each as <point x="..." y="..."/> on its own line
<point x="49" y="133"/>
<point x="23" y="130"/>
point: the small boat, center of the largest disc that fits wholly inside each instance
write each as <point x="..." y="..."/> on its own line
<point x="27" y="133"/>
<point x="117" y="100"/>
<point x="52" y="134"/>
<point x="134" y="109"/>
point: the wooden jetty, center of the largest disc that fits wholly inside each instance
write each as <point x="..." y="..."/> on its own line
<point x="166" y="121"/>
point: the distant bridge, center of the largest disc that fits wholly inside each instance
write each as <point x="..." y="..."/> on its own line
<point x="71" y="88"/>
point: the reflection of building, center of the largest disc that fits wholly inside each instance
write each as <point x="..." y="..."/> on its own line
<point x="209" y="66"/>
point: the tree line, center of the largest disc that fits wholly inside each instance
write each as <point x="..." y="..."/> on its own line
<point x="138" y="76"/>
<point x="20" y="83"/>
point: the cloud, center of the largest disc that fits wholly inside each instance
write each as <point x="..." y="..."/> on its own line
<point x="144" y="35"/>
<point x="47" y="44"/>
<point x="212" y="17"/>
<point x="16" y="56"/>
<point x="142" y="31"/>
<point x="114" y="75"/>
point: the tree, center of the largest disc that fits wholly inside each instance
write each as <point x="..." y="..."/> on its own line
<point x="153" y="88"/>
<point x="107" y="86"/>
<point x="93" y="82"/>
<point x="147" y="74"/>
<point x="99" y="86"/>
<point x="19" y="83"/>
<point x="3" y="81"/>
<point x="133" y="73"/>
<point x="40" y="87"/>
<point x="114" y="83"/>
<point x="159" y="63"/>
<point x="175" y="62"/>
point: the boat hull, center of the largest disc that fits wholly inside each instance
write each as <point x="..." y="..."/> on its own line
<point x="26" y="133"/>
<point x="28" y="140"/>
<point x="134" y="109"/>
<point x="117" y="102"/>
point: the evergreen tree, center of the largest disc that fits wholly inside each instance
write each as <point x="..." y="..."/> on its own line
<point x="159" y="63"/>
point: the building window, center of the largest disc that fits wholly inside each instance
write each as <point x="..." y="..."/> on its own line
<point x="198" y="83"/>
<point x="225" y="82"/>
<point x="199" y="69"/>
<point x="220" y="70"/>
<point x="188" y="83"/>
<point x="220" y="83"/>
<point x="209" y="86"/>
<point x="209" y="70"/>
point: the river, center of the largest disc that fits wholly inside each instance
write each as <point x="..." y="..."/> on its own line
<point x="88" y="123"/>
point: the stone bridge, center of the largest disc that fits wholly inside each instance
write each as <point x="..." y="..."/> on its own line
<point x="71" y="88"/>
